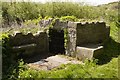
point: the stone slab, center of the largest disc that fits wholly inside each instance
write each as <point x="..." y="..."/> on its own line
<point x="53" y="62"/>
<point x="93" y="33"/>
<point x="88" y="51"/>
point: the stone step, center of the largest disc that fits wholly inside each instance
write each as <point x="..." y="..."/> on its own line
<point x="88" y="51"/>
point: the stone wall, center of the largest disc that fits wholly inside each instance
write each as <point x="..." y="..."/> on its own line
<point x="86" y="34"/>
<point x="29" y="44"/>
<point x="45" y="23"/>
<point x="60" y="24"/>
<point x="92" y="33"/>
<point x="79" y="35"/>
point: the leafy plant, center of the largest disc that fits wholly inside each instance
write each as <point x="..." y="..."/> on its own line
<point x="69" y="18"/>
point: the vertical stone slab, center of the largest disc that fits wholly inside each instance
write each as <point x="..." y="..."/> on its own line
<point x="92" y="33"/>
<point x="71" y="43"/>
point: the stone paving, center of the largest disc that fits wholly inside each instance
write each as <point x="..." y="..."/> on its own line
<point x="53" y="62"/>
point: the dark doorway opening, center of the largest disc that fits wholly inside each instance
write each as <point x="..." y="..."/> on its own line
<point x="56" y="41"/>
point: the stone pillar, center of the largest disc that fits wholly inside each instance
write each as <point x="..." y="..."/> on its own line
<point x="71" y="43"/>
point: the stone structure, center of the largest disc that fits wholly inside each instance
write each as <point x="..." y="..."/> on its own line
<point x="84" y="40"/>
<point x="88" y="51"/>
<point x="91" y="33"/>
<point x="56" y="37"/>
<point x="28" y="45"/>
<point x="60" y="24"/>
<point x="71" y="42"/>
<point x="45" y="23"/>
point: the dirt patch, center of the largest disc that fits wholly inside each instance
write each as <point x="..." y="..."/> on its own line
<point x="53" y="62"/>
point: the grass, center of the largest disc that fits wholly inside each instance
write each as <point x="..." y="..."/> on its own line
<point x="106" y="67"/>
<point x="88" y="70"/>
<point x="114" y="31"/>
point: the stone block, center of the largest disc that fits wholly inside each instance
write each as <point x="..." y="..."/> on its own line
<point x="88" y="51"/>
<point x="72" y="24"/>
<point x="45" y="23"/>
<point x="60" y="24"/>
<point x="71" y="40"/>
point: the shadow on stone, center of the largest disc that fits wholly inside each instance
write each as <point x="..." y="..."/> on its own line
<point x="37" y="57"/>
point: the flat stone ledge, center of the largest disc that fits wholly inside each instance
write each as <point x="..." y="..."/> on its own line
<point x="24" y="46"/>
<point x="88" y="52"/>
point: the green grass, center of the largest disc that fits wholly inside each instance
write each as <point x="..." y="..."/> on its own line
<point x="114" y="31"/>
<point x="88" y="70"/>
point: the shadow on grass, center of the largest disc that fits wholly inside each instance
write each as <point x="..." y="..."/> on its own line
<point x="111" y="49"/>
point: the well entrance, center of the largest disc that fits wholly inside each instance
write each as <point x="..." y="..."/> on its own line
<point x="56" y="41"/>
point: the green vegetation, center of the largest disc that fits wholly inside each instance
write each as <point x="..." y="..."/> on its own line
<point x="33" y="12"/>
<point x="23" y="11"/>
<point x="69" y="18"/>
<point x="87" y="70"/>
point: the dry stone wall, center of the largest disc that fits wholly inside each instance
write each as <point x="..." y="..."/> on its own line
<point x="60" y="24"/>
<point x="84" y="35"/>
<point x="45" y="23"/>
<point x="79" y="34"/>
<point x="92" y="33"/>
<point x="29" y="44"/>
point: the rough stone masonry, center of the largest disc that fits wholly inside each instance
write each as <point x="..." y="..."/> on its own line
<point x="84" y="40"/>
<point x="29" y="44"/>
